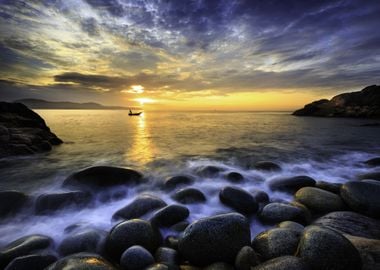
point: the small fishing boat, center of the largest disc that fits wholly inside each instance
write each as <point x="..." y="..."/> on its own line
<point x="134" y="114"/>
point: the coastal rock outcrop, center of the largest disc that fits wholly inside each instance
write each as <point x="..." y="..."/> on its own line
<point x="23" y="132"/>
<point x="364" y="103"/>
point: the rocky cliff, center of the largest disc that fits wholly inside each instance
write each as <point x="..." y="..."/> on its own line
<point x="364" y="103"/>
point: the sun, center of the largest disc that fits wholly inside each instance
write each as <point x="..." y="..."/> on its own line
<point x="143" y="101"/>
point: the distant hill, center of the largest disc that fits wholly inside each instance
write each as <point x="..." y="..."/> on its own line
<point x="364" y="103"/>
<point x="43" y="104"/>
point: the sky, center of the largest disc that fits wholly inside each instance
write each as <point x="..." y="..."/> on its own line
<point x="188" y="54"/>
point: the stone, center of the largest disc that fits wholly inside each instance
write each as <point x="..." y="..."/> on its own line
<point x="323" y="248"/>
<point x="278" y="212"/>
<point x="23" y="246"/>
<point x="332" y="187"/>
<point x="291" y="184"/>
<point x="180" y="226"/>
<point x="291" y="225"/>
<point x="267" y="166"/>
<point x="283" y="263"/>
<point x="373" y="162"/>
<point x="215" y="239"/>
<point x="82" y="261"/>
<point x="100" y="177"/>
<point x="31" y="262"/>
<point x="140" y="206"/>
<point x="167" y="256"/>
<point x="351" y="223"/>
<point x="48" y="203"/>
<point x="371" y="175"/>
<point x="136" y="258"/>
<point x="219" y="266"/>
<point x="171" y="241"/>
<point x="89" y="240"/>
<point x="11" y="202"/>
<point x="170" y="215"/>
<point x="209" y="171"/>
<point x="319" y="200"/>
<point x="131" y="233"/>
<point x="158" y="266"/>
<point x="276" y="243"/>
<point x="238" y="199"/>
<point x="362" y="197"/>
<point x="246" y="258"/>
<point x="177" y="181"/>
<point x="234" y="177"/>
<point x="369" y="250"/>
<point x="260" y="196"/>
<point x="189" y="196"/>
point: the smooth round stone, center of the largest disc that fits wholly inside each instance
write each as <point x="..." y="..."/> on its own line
<point x="372" y="175"/>
<point x="189" y="196"/>
<point x="267" y="166"/>
<point x="100" y="177"/>
<point x="130" y="233"/>
<point x="283" y="263"/>
<point x="373" y="162"/>
<point x="278" y="212"/>
<point x="219" y="266"/>
<point x="291" y="184"/>
<point x="170" y="215"/>
<point x="140" y="206"/>
<point x="11" y="201"/>
<point x="332" y="187"/>
<point x="238" y="199"/>
<point x="369" y="250"/>
<point x="31" y="262"/>
<point x="82" y="261"/>
<point x="84" y="241"/>
<point x="23" y="246"/>
<point x="260" y="196"/>
<point x="136" y="258"/>
<point x="234" y="177"/>
<point x="180" y="226"/>
<point x="323" y="248"/>
<point x="167" y="256"/>
<point x="215" y="239"/>
<point x="48" y="203"/>
<point x="158" y="266"/>
<point x="362" y="197"/>
<point x="351" y="223"/>
<point x="209" y="171"/>
<point x="246" y="258"/>
<point x="276" y="243"/>
<point x="291" y="225"/>
<point x="319" y="200"/>
<point x="177" y="181"/>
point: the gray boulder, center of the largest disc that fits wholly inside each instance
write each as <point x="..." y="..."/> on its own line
<point x="246" y="258"/>
<point x="136" y="258"/>
<point x="278" y="212"/>
<point x="189" y="196"/>
<point x="178" y="181"/>
<point x="291" y="184"/>
<point x="47" y="203"/>
<point x="89" y="240"/>
<point x="234" y="177"/>
<point x="170" y="215"/>
<point x="267" y="166"/>
<point x="283" y="263"/>
<point x="31" y="262"/>
<point x="82" y="261"/>
<point x="238" y="199"/>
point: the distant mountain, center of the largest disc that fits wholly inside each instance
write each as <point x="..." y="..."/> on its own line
<point x="364" y="103"/>
<point x="43" y="104"/>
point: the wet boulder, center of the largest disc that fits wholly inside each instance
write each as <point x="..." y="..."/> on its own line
<point x="140" y="206"/>
<point x="11" y="201"/>
<point x="178" y="181"/>
<point x="238" y="199"/>
<point x="276" y="243"/>
<point x="332" y="187"/>
<point x="136" y="258"/>
<point x="351" y="223"/>
<point x="371" y="175"/>
<point x="246" y="258"/>
<point x="260" y="196"/>
<point x="23" y="246"/>
<point x="369" y="250"/>
<point x="31" y="262"/>
<point x="209" y="171"/>
<point x="278" y="212"/>
<point x="215" y="239"/>
<point x="291" y="184"/>
<point x="319" y="200"/>
<point x="189" y="196"/>
<point x="101" y="177"/>
<point x="373" y="162"/>
<point x="47" y="203"/>
<point x="323" y="248"/>
<point x="362" y="197"/>
<point x="130" y="233"/>
<point x="234" y="177"/>
<point x="170" y="215"/>
<point x="85" y="261"/>
<point x="291" y="225"/>
<point x="267" y="166"/>
<point x="89" y="240"/>
<point x="283" y="263"/>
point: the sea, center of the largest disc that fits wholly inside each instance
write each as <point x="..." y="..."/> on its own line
<point x="162" y="144"/>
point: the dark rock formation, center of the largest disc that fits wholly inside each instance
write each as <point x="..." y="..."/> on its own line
<point x="364" y="103"/>
<point x="170" y="215"/>
<point x="84" y="241"/>
<point x="278" y="212"/>
<point x="136" y="258"/>
<point x="238" y="199"/>
<point x="11" y="201"/>
<point x="283" y="263"/>
<point x="189" y="196"/>
<point x="82" y="261"/>
<point x="31" y="262"/>
<point x="23" y="132"/>
<point x="291" y="184"/>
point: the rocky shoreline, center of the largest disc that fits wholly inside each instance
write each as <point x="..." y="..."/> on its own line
<point x="326" y="226"/>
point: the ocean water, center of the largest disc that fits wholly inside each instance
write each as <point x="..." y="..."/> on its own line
<point x="164" y="144"/>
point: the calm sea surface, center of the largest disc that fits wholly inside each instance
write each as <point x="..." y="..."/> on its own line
<point x="162" y="144"/>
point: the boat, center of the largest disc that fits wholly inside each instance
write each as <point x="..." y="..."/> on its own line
<point x="134" y="114"/>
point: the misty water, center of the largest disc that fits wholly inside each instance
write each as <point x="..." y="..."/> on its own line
<point x="164" y="144"/>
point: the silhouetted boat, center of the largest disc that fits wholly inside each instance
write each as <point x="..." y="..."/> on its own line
<point x="134" y="114"/>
